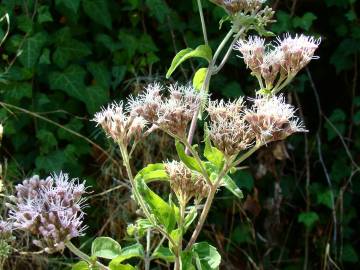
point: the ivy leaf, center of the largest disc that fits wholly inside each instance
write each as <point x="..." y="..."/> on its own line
<point x="325" y="198"/>
<point x="207" y="256"/>
<point x="69" y="50"/>
<point x="44" y="14"/>
<point x="304" y="22"/>
<point x="349" y="254"/>
<point x="133" y="251"/>
<point x="94" y="97"/>
<point x="202" y="51"/>
<point x="31" y="50"/>
<point x="105" y="247"/>
<point x="72" y="5"/>
<point x="158" y="9"/>
<point x="98" y="11"/>
<point x="308" y="219"/>
<point x="52" y="162"/>
<point x="199" y="78"/>
<point x="71" y="81"/>
<point x="16" y="91"/>
<point x="47" y="140"/>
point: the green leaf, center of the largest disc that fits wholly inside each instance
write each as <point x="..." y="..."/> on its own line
<point x="105" y="247"/>
<point x="82" y="265"/>
<point x="212" y="154"/>
<point x="325" y="198"/>
<point x="230" y="185"/>
<point x="337" y="118"/>
<point x="133" y="251"/>
<point x="199" y="78"/>
<point x="122" y="267"/>
<point x="349" y="254"/>
<point x="94" y="97"/>
<point x="189" y="161"/>
<point x="153" y="172"/>
<point x="163" y="253"/>
<point x="100" y="73"/>
<point x="208" y="257"/>
<point x="31" y="50"/>
<point x="308" y="219"/>
<point x="158" y="9"/>
<point x="186" y="260"/>
<point x="72" y="5"/>
<point x="190" y="217"/>
<point x="71" y="81"/>
<point x="44" y="14"/>
<point x="202" y="51"/>
<point x="16" y="91"/>
<point x="70" y="50"/>
<point x="163" y="212"/>
<point x="51" y="162"/>
<point x="47" y="140"/>
<point x="304" y="22"/>
<point x="98" y="11"/>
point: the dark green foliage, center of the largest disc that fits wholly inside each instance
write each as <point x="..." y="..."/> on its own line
<point x="75" y="56"/>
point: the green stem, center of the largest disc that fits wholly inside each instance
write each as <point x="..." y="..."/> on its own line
<point x="203" y="25"/>
<point x="139" y="199"/>
<point x="84" y="256"/>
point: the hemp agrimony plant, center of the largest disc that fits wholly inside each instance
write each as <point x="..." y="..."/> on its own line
<point x="52" y="209"/>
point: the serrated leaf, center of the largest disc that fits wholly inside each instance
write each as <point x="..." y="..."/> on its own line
<point x="98" y="11"/>
<point x="308" y="219"/>
<point x="199" y="78"/>
<point x="212" y="154"/>
<point x="202" y="51"/>
<point x="105" y="247"/>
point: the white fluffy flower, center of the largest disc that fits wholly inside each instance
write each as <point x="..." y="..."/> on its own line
<point x="272" y="119"/>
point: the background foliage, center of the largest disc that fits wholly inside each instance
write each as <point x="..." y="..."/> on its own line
<point x="66" y="58"/>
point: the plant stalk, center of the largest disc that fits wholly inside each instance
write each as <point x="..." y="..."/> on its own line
<point x="203" y="25"/>
<point x="84" y="256"/>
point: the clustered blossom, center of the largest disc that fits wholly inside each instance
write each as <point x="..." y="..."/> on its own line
<point x="272" y="119"/>
<point x="236" y="6"/>
<point x="50" y="209"/>
<point x="228" y="130"/>
<point x="185" y="183"/>
<point x="280" y="61"/>
<point x="118" y="125"/>
<point x="172" y="113"/>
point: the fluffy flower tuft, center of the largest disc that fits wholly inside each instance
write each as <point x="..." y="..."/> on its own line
<point x="276" y="62"/>
<point x="272" y="119"/>
<point x="6" y="229"/>
<point x="228" y="130"/>
<point x="118" y="125"/>
<point x="185" y="183"/>
<point x="50" y="209"/>
<point x="172" y="113"/>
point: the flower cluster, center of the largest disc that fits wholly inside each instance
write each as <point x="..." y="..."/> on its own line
<point x="236" y="6"/>
<point x="234" y="128"/>
<point x="272" y="119"/>
<point x="173" y="113"/>
<point x="118" y="125"/>
<point x="228" y="130"/>
<point x="274" y="63"/>
<point x="185" y="183"/>
<point x="50" y="209"/>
